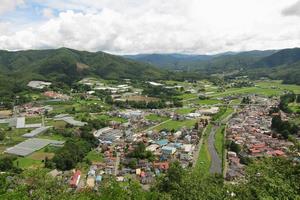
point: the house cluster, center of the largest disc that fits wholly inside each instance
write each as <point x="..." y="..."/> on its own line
<point x="32" y="109"/>
<point x="118" y="143"/>
<point x="56" y="95"/>
<point x="98" y="85"/>
<point x="250" y="130"/>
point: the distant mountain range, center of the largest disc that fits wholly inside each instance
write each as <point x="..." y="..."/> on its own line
<point x="67" y="66"/>
<point x="278" y="64"/>
<point x="185" y="61"/>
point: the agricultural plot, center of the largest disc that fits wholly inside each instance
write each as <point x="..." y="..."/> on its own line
<point x="208" y="102"/>
<point x="25" y="163"/>
<point x="109" y="118"/>
<point x="156" y="118"/>
<point x="184" y="111"/>
<point x="172" y="124"/>
<point x="187" y="96"/>
<point x="141" y="98"/>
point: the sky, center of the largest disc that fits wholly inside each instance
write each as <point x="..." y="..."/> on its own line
<point x="150" y="26"/>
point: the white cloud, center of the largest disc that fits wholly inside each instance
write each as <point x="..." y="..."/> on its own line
<point x="9" y="5"/>
<point x="292" y="10"/>
<point x="130" y="26"/>
<point x="48" y="13"/>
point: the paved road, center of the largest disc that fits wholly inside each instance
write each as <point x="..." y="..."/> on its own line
<point x="216" y="163"/>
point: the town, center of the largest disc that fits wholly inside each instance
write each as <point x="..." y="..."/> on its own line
<point x="138" y="135"/>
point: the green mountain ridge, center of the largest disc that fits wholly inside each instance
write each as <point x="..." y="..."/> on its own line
<point x="64" y="62"/>
<point x="276" y="64"/>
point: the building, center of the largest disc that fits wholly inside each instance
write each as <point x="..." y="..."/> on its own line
<point x="38" y="84"/>
<point x="168" y="150"/>
<point x="75" y="179"/>
<point x="90" y="182"/>
<point x="209" y="111"/>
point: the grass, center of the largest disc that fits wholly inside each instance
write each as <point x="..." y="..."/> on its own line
<point x="56" y="124"/>
<point x="33" y="120"/>
<point x="14" y="136"/>
<point x="235" y="101"/>
<point x="109" y="118"/>
<point x="156" y="118"/>
<point x="184" y="111"/>
<point x="278" y="85"/>
<point x="52" y="137"/>
<point x="219" y="140"/>
<point x="204" y="161"/>
<point x="228" y="112"/>
<point x="169" y="125"/>
<point x="95" y="156"/>
<point x="208" y="102"/>
<point x="27" y="162"/>
<point x="40" y="155"/>
<point x="266" y="88"/>
<point x="187" y="96"/>
<point x="295" y="107"/>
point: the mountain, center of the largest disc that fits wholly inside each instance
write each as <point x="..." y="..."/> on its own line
<point x="73" y="63"/>
<point x="186" y="62"/>
<point x="67" y="66"/>
<point x="276" y="64"/>
<point x="167" y="61"/>
<point x="282" y="57"/>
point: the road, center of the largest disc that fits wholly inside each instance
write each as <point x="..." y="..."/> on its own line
<point x="117" y="163"/>
<point x="216" y="163"/>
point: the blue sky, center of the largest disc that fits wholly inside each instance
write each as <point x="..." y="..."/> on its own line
<point x="150" y="26"/>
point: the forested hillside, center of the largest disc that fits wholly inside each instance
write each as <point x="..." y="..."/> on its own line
<point x="275" y="64"/>
<point x="67" y="66"/>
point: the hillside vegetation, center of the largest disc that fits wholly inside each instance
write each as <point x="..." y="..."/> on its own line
<point x="282" y="64"/>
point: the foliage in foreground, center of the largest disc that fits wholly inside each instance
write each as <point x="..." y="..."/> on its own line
<point x="270" y="178"/>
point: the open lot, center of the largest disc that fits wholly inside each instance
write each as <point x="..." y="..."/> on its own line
<point x="141" y="98"/>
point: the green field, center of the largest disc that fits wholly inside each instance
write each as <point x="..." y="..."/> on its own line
<point x="56" y="124"/>
<point x="27" y="162"/>
<point x="219" y="140"/>
<point x="109" y="118"/>
<point x="156" y="118"/>
<point x="187" y="96"/>
<point x="183" y="111"/>
<point x="95" y="156"/>
<point x="228" y="112"/>
<point x="278" y="85"/>
<point x="266" y="88"/>
<point x="52" y="137"/>
<point x="13" y="135"/>
<point x="295" y="107"/>
<point x="235" y="101"/>
<point x="33" y="120"/>
<point x="208" y="101"/>
<point x="169" y="125"/>
<point x="204" y="161"/>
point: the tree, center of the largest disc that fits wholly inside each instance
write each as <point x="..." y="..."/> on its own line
<point x="2" y="135"/>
